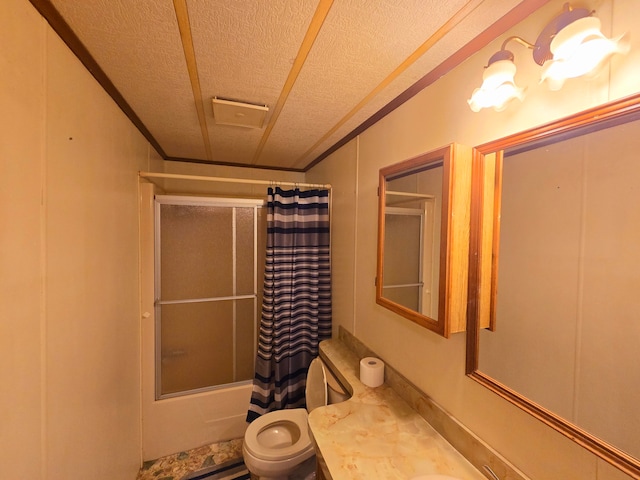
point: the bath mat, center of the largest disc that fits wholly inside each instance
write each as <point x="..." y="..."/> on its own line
<point x="231" y="470"/>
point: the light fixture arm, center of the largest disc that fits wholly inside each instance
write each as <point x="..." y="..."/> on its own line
<point x="504" y="54"/>
<point x="519" y="40"/>
<point x="569" y="46"/>
<point x="542" y="48"/>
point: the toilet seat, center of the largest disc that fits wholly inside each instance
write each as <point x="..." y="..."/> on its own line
<point x="295" y="416"/>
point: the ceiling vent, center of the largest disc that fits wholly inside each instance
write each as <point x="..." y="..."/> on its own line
<point x="230" y="112"/>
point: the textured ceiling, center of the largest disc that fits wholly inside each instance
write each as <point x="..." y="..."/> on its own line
<point x="323" y="67"/>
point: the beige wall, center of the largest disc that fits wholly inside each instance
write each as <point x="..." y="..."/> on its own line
<point x="69" y="330"/>
<point x="435" y="117"/>
<point x="341" y="170"/>
<point x="21" y="260"/>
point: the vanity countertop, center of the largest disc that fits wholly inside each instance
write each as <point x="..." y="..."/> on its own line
<point x="376" y="434"/>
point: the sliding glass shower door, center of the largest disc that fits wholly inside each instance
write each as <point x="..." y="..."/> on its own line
<point x="206" y="291"/>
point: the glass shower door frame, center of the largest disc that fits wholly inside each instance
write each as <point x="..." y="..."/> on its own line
<point x="158" y="302"/>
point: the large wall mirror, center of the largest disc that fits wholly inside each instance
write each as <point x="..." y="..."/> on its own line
<point x="555" y="274"/>
<point x="423" y="225"/>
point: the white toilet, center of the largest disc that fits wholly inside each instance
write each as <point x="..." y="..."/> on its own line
<point x="277" y="443"/>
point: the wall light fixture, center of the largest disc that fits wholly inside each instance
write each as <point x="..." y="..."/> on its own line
<point x="569" y="46"/>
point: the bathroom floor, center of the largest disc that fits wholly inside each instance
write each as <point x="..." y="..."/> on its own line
<point x="178" y="465"/>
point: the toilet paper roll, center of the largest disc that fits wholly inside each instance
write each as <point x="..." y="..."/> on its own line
<point x="372" y="371"/>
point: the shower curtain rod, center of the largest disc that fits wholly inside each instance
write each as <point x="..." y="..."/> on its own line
<point x="233" y="180"/>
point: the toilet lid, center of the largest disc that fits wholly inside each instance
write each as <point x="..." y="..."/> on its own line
<point x="316" y="389"/>
<point x="302" y="444"/>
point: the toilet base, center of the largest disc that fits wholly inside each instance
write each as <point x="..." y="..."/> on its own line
<point x="305" y="471"/>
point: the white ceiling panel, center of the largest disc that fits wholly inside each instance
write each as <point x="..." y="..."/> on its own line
<point x="137" y="44"/>
<point x="322" y="67"/>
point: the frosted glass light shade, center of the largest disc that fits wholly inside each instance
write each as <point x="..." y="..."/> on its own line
<point x="580" y="49"/>
<point x="498" y="87"/>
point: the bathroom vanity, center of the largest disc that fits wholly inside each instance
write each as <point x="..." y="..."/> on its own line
<point x="378" y="434"/>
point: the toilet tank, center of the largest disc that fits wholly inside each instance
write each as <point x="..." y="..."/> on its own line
<point x="322" y="387"/>
<point x="335" y="392"/>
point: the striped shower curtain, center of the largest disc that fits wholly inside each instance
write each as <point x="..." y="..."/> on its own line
<point x="296" y="306"/>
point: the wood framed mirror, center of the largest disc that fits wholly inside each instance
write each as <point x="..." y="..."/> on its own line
<point x="423" y="227"/>
<point x="555" y="273"/>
